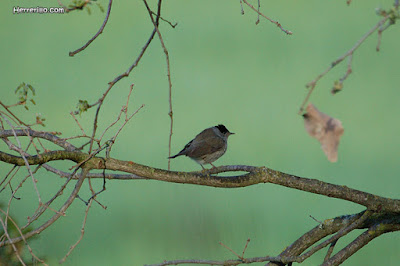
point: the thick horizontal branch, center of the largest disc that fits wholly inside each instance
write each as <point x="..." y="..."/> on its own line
<point x="254" y="176"/>
<point x="106" y="176"/>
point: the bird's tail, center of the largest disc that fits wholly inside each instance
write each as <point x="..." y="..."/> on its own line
<point x="182" y="152"/>
<point x="176" y="155"/>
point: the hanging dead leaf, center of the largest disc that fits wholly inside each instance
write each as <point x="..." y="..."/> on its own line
<point x="327" y="130"/>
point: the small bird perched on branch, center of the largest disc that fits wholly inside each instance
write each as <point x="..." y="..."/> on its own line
<point x="207" y="146"/>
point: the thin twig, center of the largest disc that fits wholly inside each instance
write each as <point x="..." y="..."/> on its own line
<point x="315" y="219"/>
<point x="124" y="109"/>
<point x="97" y="34"/>
<point x="241" y="7"/>
<point x="40" y="211"/>
<point x="55" y="217"/>
<point x="228" y="248"/>
<point x="94" y="194"/>
<point x="13" y="196"/>
<point x="12" y="244"/>
<point x="349" y="70"/>
<point x="311" y="85"/>
<point x="7" y="175"/>
<point x="22" y="235"/>
<point x="170" y="113"/>
<point x="19" y="150"/>
<point x="121" y="76"/>
<point x="380" y="31"/>
<point x="245" y="247"/>
<point x="19" y="121"/>
<point x="43" y="147"/>
<point x="112" y="83"/>
<point x="288" y="32"/>
<point x="258" y="12"/>
<point x="125" y="122"/>
<point x="167" y="21"/>
<point x="77" y="122"/>
<point x="81" y="236"/>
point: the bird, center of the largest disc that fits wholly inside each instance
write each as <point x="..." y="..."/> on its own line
<point x="208" y="146"/>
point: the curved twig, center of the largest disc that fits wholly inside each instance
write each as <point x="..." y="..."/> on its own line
<point x="121" y="76"/>
<point x="100" y="31"/>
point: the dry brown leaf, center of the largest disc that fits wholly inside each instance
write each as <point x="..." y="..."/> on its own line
<point x="327" y="130"/>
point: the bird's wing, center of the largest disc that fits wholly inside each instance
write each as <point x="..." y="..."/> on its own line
<point x="208" y="144"/>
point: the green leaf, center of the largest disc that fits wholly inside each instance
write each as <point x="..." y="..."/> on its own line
<point x="82" y="106"/>
<point x="337" y="87"/>
<point x="20" y="86"/>
<point x="32" y="89"/>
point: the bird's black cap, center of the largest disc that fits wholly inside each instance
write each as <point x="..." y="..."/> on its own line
<point x="222" y="129"/>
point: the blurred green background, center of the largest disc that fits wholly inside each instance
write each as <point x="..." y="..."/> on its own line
<point x="225" y="69"/>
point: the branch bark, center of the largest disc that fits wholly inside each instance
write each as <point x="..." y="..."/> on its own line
<point x="255" y="175"/>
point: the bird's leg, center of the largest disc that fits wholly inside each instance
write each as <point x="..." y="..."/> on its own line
<point x="202" y="167"/>
<point x="213" y="165"/>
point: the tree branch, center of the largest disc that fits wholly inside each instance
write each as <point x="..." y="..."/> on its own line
<point x="329" y="226"/>
<point x="254" y="176"/>
<point x="288" y="32"/>
<point x="361" y="241"/>
<point x="100" y="31"/>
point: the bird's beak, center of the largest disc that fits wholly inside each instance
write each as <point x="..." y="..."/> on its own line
<point x="231" y="133"/>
